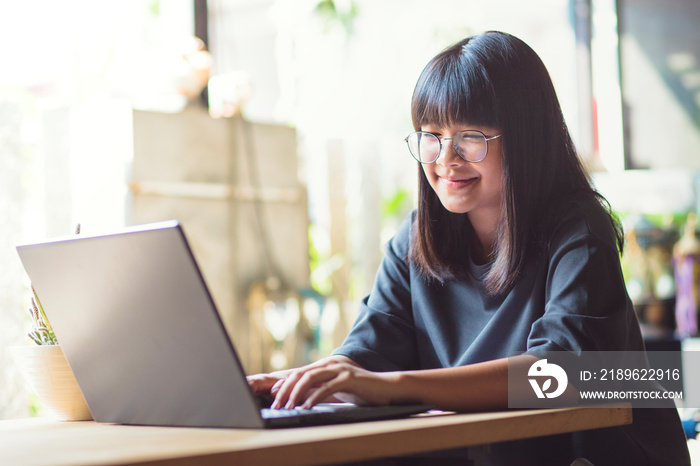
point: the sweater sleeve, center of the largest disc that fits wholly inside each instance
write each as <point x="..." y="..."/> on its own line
<point x="586" y="303"/>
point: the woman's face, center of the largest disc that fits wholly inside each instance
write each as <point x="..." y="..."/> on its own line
<point x="466" y="187"/>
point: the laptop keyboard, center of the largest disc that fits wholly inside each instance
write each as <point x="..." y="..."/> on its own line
<point x="335" y="414"/>
<point x="316" y="410"/>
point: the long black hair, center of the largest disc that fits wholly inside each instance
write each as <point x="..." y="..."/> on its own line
<point x="496" y="80"/>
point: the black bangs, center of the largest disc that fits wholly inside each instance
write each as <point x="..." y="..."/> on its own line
<point x="451" y="90"/>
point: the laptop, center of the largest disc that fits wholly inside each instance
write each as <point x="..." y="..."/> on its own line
<point x="141" y="332"/>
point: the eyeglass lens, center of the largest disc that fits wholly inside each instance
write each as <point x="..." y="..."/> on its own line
<point x="425" y="147"/>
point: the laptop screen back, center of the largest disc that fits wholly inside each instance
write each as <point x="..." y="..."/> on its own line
<point x="140" y="330"/>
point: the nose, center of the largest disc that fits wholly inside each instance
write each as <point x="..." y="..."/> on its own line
<point x="448" y="155"/>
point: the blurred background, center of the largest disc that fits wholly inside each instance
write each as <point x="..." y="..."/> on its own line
<point x="273" y="130"/>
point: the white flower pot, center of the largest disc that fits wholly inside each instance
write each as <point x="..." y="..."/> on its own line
<point x="48" y="373"/>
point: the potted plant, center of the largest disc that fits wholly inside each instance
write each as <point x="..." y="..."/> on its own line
<point x="46" y="369"/>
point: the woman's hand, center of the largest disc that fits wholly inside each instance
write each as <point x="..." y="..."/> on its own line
<point x="268" y="385"/>
<point x="333" y="379"/>
<point x="336" y="378"/>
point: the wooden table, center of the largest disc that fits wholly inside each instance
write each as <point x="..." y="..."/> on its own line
<point x="46" y="442"/>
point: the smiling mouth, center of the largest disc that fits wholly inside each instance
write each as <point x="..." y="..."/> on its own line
<point x="458" y="182"/>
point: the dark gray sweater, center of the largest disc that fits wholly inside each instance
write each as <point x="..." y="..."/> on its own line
<point x="571" y="297"/>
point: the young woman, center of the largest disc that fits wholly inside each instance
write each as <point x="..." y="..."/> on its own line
<point x="510" y="251"/>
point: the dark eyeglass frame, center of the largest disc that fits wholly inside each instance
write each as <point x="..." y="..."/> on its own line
<point x="454" y="145"/>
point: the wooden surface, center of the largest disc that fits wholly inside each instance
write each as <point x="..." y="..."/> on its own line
<point x="46" y="442"/>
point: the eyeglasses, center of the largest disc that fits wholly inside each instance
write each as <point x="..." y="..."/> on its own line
<point x="471" y="145"/>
